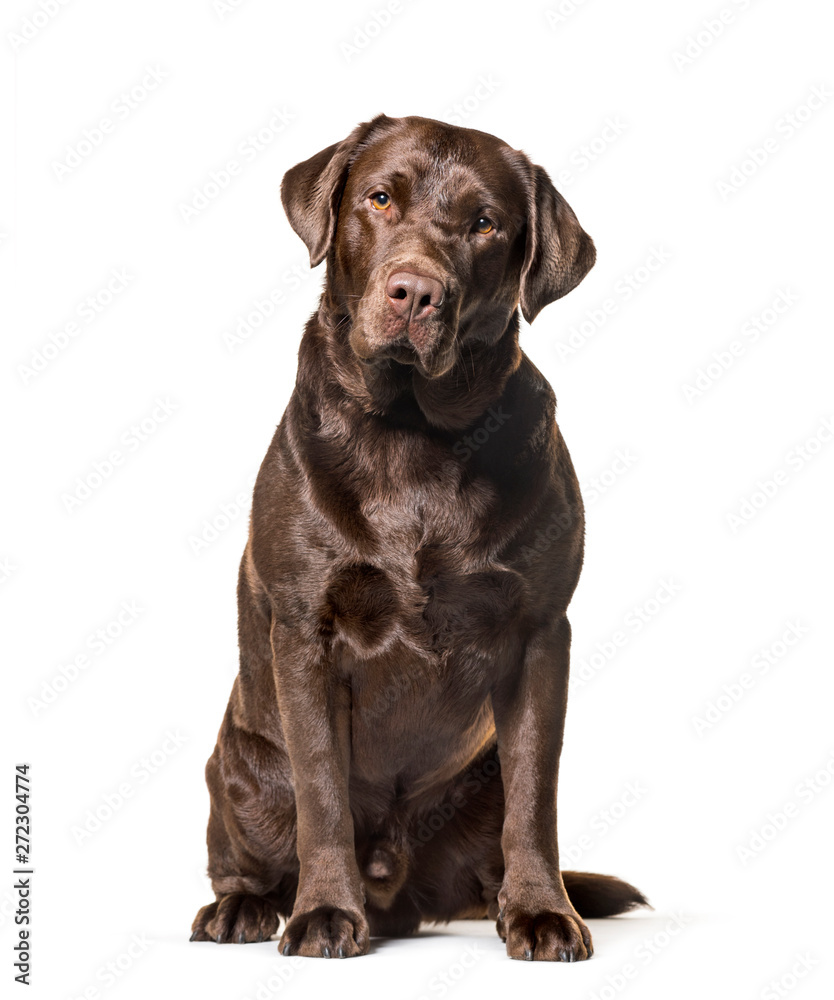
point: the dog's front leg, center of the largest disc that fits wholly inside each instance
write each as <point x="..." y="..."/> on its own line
<point x="328" y="919"/>
<point x="536" y="918"/>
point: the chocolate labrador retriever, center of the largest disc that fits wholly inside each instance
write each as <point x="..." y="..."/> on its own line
<point x="390" y="751"/>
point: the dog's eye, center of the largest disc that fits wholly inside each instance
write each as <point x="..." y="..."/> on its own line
<point x="484" y="226"/>
<point x="380" y="200"/>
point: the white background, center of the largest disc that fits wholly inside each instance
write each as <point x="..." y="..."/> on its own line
<point x="647" y="792"/>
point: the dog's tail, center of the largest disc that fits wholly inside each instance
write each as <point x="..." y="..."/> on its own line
<point x="601" y="895"/>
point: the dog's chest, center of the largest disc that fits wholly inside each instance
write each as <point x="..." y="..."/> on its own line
<point x="412" y="507"/>
<point x="429" y="583"/>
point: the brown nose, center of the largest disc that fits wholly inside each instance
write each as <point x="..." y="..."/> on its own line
<point x="414" y="296"/>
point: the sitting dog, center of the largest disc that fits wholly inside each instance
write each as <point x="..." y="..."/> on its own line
<point x="390" y="751"/>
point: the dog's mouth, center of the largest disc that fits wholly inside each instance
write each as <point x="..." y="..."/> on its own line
<point x="429" y="364"/>
<point x="429" y="352"/>
<point x="403" y="354"/>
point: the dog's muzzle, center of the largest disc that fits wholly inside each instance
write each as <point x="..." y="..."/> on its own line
<point x="411" y="319"/>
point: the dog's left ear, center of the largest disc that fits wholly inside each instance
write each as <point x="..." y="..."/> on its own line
<point x="311" y="191"/>
<point x="559" y="253"/>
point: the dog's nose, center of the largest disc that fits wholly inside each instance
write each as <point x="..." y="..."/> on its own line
<point x="414" y="296"/>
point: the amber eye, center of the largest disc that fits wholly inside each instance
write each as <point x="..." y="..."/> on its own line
<point x="484" y="226"/>
<point x="380" y="200"/>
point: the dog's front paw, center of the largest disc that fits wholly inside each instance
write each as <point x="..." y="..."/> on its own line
<point x="326" y="932"/>
<point x="546" y="936"/>
<point x="239" y="918"/>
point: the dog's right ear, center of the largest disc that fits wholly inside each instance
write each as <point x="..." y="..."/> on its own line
<point x="311" y="191"/>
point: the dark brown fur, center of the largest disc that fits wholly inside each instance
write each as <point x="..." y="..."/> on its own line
<point x="416" y="537"/>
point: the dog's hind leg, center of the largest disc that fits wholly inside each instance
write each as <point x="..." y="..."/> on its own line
<point x="252" y="824"/>
<point x="251" y="841"/>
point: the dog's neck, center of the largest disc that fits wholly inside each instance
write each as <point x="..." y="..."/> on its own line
<point x="453" y="401"/>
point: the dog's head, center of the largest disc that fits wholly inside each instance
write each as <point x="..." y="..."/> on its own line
<point x="434" y="235"/>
